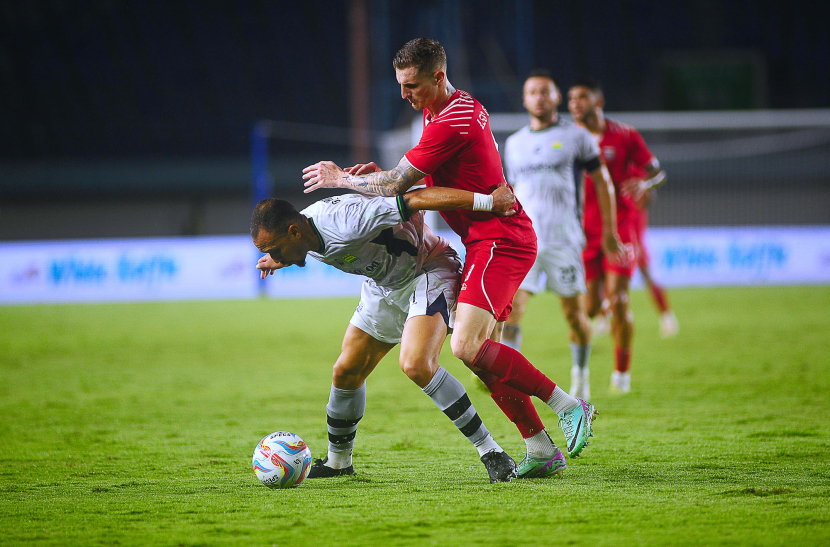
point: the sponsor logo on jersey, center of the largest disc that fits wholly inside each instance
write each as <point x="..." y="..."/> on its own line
<point x="609" y="153"/>
<point x="556" y="145"/>
<point x="351" y="259"/>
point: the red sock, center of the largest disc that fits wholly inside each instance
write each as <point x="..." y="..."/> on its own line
<point x="623" y="356"/>
<point x="513" y="369"/>
<point x="514" y="404"/>
<point x="659" y="298"/>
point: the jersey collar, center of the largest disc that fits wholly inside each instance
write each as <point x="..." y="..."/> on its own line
<point x="556" y="123"/>
<point x="454" y="96"/>
<point x="322" y="249"/>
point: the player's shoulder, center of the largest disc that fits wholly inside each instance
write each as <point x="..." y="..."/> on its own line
<point x="620" y="128"/>
<point x="519" y="135"/>
<point x="458" y="113"/>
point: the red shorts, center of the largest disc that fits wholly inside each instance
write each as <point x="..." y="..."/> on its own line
<point x="493" y="271"/>
<point x="596" y="263"/>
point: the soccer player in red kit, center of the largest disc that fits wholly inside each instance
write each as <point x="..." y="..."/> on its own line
<point x="621" y="147"/>
<point x="457" y="150"/>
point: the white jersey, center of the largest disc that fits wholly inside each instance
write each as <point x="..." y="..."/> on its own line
<point x="369" y="236"/>
<point x="542" y="168"/>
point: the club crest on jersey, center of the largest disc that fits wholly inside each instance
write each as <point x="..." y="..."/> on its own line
<point x="556" y="145"/>
<point x="609" y="153"/>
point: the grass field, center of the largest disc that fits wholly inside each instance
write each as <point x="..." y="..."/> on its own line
<point x="134" y="424"/>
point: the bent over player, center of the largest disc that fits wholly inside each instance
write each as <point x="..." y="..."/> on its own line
<point x="457" y="150"/>
<point x="408" y="298"/>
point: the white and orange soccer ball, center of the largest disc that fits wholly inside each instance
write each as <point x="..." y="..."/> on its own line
<point x="281" y="460"/>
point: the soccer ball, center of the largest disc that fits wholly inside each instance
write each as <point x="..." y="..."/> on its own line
<point x="281" y="460"/>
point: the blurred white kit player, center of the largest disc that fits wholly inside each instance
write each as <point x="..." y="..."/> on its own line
<point x="540" y="166"/>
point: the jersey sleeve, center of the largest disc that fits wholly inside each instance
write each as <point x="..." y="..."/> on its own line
<point x="588" y="153"/>
<point x="359" y="217"/>
<point x="438" y="143"/>
<point x="640" y="154"/>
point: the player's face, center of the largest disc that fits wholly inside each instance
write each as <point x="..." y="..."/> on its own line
<point x="582" y="102"/>
<point x="286" y="249"/>
<point x="541" y="98"/>
<point x="421" y="90"/>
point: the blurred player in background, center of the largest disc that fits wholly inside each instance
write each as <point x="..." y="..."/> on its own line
<point x="458" y="150"/>
<point x="408" y="298"/>
<point x="540" y="159"/>
<point x="642" y="199"/>
<point x="621" y="146"/>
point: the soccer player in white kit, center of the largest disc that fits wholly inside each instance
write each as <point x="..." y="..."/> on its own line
<point x="540" y="160"/>
<point x="408" y="298"/>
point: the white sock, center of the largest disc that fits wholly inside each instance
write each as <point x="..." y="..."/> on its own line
<point x="561" y="401"/>
<point x="541" y="445"/>
<point x="488" y="445"/>
<point x="339" y="460"/>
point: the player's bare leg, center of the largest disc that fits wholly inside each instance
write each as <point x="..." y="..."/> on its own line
<point x="622" y="329"/>
<point x="359" y="355"/>
<point x="512" y="334"/>
<point x="579" y="333"/>
<point x="593" y="297"/>
<point x="512" y="380"/>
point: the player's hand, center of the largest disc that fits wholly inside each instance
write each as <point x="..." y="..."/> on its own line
<point x="613" y="247"/>
<point x="267" y="266"/>
<point x="503" y="201"/>
<point x="363" y="168"/>
<point x="323" y="174"/>
<point x="637" y="191"/>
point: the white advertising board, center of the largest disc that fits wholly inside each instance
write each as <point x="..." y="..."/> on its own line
<point x="693" y="257"/>
<point x="127" y="269"/>
<point x="224" y="267"/>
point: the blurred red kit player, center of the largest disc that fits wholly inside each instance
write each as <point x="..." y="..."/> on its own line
<point x="622" y="149"/>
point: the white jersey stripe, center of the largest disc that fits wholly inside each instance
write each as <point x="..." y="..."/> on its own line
<point x="483" y="288"/>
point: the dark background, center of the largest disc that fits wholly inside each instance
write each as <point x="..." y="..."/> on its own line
<point x="108" y="104"/>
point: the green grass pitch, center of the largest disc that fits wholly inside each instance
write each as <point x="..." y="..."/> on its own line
<point x="134" y="424"/>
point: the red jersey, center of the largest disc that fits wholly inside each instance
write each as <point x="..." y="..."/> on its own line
<point x="457" y="150"/>
<point x="621" y="146"/>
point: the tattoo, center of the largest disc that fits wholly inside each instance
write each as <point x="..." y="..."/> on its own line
<point x="385" y="183"/>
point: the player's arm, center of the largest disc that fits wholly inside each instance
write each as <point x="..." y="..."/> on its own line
<point x="500" y="202"/>
<point x="326" y="174"/>
<point x="608" y="209"/>
<point x="641" y="191"/>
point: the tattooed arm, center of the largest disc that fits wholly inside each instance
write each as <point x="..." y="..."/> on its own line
<point x="327" y="174"/>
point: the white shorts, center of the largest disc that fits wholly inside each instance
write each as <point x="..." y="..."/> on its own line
<point x="559" y="269"/>
<point x="382" y="313"/>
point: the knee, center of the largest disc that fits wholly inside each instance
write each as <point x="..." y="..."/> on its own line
<point x="465" y="348"/>
<point x="618" y="302"/>
<point x="574" y="318"/>
<point x="344" y="376"/>
<point x="417" y="370"/>
<point x="593" y="306"/>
